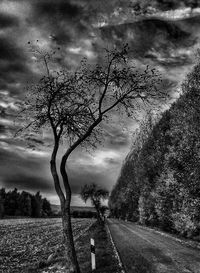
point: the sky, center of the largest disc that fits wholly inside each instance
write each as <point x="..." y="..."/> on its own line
<point x="166" y="40"/>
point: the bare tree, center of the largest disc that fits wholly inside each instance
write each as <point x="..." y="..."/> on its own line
<point x="96" y="195"/>
<point x="74" y="104"/>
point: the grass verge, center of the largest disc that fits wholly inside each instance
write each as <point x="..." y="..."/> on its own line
<point x="105" y="258"/>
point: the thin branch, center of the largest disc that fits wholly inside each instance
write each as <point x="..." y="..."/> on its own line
<point x="24" y="128"/>
<point x="46" y="65"/>
<point x="92" y="113"/>
<point x="76" y="144"/>
<point x="106" y="85"/>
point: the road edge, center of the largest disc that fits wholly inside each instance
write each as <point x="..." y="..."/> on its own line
<point x="184" y="241"/>
<point x="116" y="253"/>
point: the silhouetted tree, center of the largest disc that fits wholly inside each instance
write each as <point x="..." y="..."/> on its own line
<point x="2" y="202"/>
<point x="25" y="208"/>
<point x="96" y="195"/>
<point x="46" y="207"/>
<point x="74" y="104"/>
<point x="36" y="201"/>
<point x="12" y="202"/>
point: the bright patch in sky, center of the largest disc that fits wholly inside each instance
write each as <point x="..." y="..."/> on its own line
<point x="100" y="157"/>
<point x="6" y="121"/>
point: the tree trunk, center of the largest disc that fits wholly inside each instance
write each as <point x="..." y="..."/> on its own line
<point x="99" y="218"/>
<point x="66" y="220"/>
<point x="72" y="262"/>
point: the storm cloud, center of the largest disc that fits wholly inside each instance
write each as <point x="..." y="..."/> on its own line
<point x="81" y="29"/>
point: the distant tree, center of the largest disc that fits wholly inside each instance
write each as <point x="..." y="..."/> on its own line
<point x="103" y="210"/>
<point x="12" y="202"/>
<point x="28" y="206"/>
<point x="36" y="202"/>
<point x="74" y="104"/>
<point x="2" y="202"/>
<point x="46" y="208"/>
<point x="25" y="208"/>
<point x="96" y="195"/>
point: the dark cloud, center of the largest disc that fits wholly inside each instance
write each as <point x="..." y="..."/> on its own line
<point x="60" y="9"/>
<point x="167" y="60"/>
<point x="29" y="183"/>
<point x="18" y="169"/>
<point x="35" y="140"/>
<point x="166" y="5"/>
<point x="163" y="43"/>
<point x="9" y="51"/>
<point x="169" y="5"/>
<point x="81" y="176"/>
<point x="61" y="19"/>
<point x="149" y="34"/>
<point x="61" y="37"/>
<point x="3" y="128"/>
<point x="14" y="66"/>
<point x="189" y="23"/>
<point x="7" y="20"/>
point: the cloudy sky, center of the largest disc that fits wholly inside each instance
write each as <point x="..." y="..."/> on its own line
<point x="81" y="28"/>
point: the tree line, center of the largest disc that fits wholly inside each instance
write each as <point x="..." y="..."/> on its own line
<point x="14" y="203"/>
<point x="159" y="180"/>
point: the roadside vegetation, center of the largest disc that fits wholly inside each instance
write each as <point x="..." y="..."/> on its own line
<point x="96" y="194"/>
<point x="106" y="261"/>
<point x="159" y="181"/>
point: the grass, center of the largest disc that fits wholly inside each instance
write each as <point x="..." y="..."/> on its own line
<point x="105" y="259"/>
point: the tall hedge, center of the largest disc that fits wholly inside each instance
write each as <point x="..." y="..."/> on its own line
<point x="159" y="183"/>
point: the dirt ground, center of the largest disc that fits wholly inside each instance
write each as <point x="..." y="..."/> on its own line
<point x="24" y="243"/>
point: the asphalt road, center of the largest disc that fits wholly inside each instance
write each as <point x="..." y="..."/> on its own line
<point x="145" y="251"/>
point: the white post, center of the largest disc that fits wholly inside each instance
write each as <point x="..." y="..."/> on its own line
<point x="93" y="261"/>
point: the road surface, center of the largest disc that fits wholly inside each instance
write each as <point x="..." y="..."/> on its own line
<point x="145" y="251"/>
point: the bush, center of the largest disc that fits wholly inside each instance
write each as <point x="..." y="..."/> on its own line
<point x="184" y="225"/>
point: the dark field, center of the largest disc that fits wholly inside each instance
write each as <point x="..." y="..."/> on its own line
<point x="26" y="242"/>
